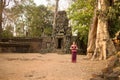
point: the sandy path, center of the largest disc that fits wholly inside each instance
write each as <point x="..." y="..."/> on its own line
<point x="47" y="67"/>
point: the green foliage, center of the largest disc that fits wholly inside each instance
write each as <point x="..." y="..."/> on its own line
<point x="38" y="20"/>
<point x="114" y="18"/>
<point x="16" y="16"/>
<point x="48" y="31"/>
<point x="112" y="15"/>
<point x="82" y="33"/>
<point x="31" y="20"/>
<point x="7" y="34"/>
<point x="80" y="14"/>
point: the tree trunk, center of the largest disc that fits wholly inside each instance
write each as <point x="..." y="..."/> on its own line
<point x="92" y="36"/>
<point x="1" y="11"/>
<point x="54" y="23"/>
<point x="103" y="44"/>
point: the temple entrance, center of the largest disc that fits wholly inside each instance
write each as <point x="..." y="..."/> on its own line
<point x="60" y="41"/>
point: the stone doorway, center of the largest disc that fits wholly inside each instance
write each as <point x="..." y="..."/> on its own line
<point x="59" y="42"/>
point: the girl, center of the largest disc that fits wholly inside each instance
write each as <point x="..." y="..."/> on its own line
<point x="73" y="49"/>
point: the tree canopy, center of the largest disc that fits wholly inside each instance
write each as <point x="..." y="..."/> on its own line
<point x="28" y="19"/>
<point x="114" y="18"/>
<point x="80" y="13"/>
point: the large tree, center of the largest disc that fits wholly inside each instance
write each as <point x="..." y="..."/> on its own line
<point x="2" y="6"/>
<point x="28" y="19"/>
<point x="14" y="16"/>
<point x="54" y="22"/>
<point x="39" y="21"/>
<point x="80" y="14"/>
<point x="100" y="44"/>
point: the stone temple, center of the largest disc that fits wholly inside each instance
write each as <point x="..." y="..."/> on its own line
<point x="62" y="32"/>
<point x="62" y="39"/>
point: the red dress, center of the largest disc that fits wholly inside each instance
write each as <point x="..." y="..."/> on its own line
<point x="74" y="52"/>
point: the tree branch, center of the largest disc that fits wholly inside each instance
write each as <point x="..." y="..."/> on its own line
<point x="6" y="3"/>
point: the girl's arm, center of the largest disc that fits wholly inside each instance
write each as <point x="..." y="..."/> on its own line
<point x="71" y="47"/>
<point x="76" y="47"/>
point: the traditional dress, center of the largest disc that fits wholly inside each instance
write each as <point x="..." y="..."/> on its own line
<point x="74" y="52"/>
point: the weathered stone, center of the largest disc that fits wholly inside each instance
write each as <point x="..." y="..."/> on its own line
<point x="62" y="32"/>
<point x="44" y="44"/>
<point x="22" y="45"/>
<point x="111" y="76"/>
<point x="97" y="75"/>
<point x="111" y="61"/>
<point x="97" y="78"/>
<point x="107" y="70"/>
<point x="116" y="71"/>
<point x="112" y="71"/>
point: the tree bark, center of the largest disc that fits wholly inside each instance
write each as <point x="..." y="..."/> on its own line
<point x="92" y="36"/>
<point x="103" y="45"/>
<point x="1" y="11"/>
<point x="54" y="23"/>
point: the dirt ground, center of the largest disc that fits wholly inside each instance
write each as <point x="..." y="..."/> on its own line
<point x="50" y="66"/>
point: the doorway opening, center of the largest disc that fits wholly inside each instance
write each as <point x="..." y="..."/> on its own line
<point x="60" y="40"/>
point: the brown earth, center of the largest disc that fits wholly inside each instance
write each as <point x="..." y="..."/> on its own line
<point x="50" y="66"/>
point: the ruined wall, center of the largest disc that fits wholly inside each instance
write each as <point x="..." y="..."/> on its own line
<point x="21" y="45"/>
<point x="44" y="44"/>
